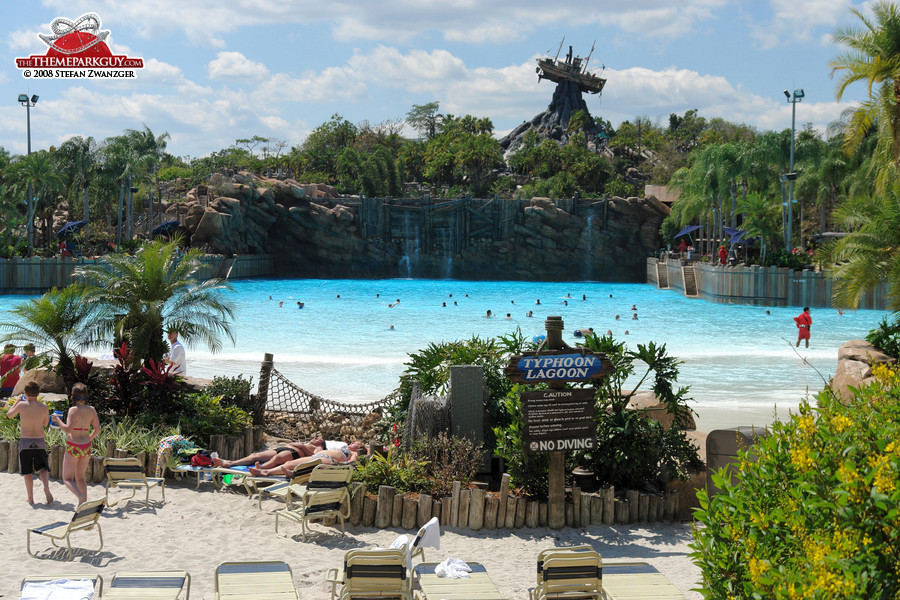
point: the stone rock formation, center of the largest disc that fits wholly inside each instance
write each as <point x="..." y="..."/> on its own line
<point x="314" y="234"/>
<point x="552" y="124"/>
<point x="854" y="368"/>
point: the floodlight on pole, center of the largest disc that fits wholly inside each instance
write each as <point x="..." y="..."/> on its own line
<point x="794" y="98"/>
<point x="27" y="102"/>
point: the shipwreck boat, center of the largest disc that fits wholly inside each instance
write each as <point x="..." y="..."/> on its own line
<point x="573" y="69"/>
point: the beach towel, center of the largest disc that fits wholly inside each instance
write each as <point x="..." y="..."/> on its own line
<point x="335" y="445"/>
<point x="59" y="589"/>
<point x="168" y="448"/>
<point x="401" y="542"/>
<point x="431" y="538"/>
<point x="453" y="568"/>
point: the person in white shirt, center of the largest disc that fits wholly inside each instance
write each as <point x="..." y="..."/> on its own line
<point x="176" y="356"/>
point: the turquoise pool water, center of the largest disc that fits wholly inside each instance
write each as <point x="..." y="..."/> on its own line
<point x="740" y="362"/>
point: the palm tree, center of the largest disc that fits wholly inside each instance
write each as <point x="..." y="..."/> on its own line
<point x="77" y="157"/>
<point x="36" y="174"/>
<point x="873" y="57"/>
<point x="60" y="323"/>
<point x="156" y="291"/>
<point x="870" y="254"/>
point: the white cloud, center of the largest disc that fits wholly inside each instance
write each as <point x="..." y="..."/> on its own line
<point x="795" y="21"/>
<point x="236" y="67"/>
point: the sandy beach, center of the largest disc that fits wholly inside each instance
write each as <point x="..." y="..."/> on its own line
<point x="195" y="530"/>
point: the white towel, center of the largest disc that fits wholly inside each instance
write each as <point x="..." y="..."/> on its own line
<point x="453" y="568"/>
<point x="402" y="542"/>
<point x="431" y="536"/>
<point x="59" y="589"/>
<point x="335" y="445"/>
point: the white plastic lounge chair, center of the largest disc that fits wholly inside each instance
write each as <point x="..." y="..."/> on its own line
<point x="637" y="581"/>
<point x="86" y="517"/>
<point x="376" y="573"/>
<point x="149" y="585"/>
<point x="478" y="586"/>
<point x="42" y="586"/>
<point x="264" y="580"/>
<point x="128" y="473"/>
<point x="327" y="495"/>
<point x="569" y="575"/>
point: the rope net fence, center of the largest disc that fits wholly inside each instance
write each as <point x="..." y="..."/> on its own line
<point x="281" y="394"/>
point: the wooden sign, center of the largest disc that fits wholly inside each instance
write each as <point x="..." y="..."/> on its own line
<point x="558" y="366"/>
<point x="559" y="420"/>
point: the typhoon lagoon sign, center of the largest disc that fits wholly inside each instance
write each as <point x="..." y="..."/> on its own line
<point x="558" y="366"/>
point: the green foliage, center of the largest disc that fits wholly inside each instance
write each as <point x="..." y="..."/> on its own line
<point x="527" y="471"/>
<point x="886" y="337"/>
<point x="815" y="510"/>
<point x="396" y="469"/>
<point x="201" y="415"/>
<point x="174" y="172"/>
<point x="234" y="391"/>
<point x="447" y="459"/>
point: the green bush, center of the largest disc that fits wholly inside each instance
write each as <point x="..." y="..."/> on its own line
<point x="203" y="415"/>
<point x="395" y="469"/>
<point x="447" y="459"/>
<point x="527" y="471"/>
<point x="886" y="337"/>
<point x="234" y="391"/>
<point x="817" y="514"/>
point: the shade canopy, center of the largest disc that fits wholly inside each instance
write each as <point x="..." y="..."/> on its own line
<point x="687" y="230"/>
<point x="71" y="227"/>
<point x="165" y="228"/>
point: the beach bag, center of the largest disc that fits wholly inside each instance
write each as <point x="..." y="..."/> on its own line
<point x="200" y="460"/>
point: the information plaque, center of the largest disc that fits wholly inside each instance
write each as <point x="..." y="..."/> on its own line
<point x="559" y="420"/>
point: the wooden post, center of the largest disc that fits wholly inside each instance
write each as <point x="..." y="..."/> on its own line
<point x="436" y="509"/>
<point x="491" y="508"/>
<point x="609" y="497"/>
<point x="121" y="453"/>
<point x="262" y="393"/>
<point x="4" y="455"/>
<point x="669" y="512"/>
<point x="556" y="516"/>
<point x="357" y="496"/>
<point x="385" y="507"/>
<point x="152" y="459"/>
<point x="476" y="509"/>
<point x="249" y="446"/>
<point x="142" y="458"/>
<point x="598" y="510"/>
<point x="531" y="514"/>
<point x="643" y="507"/>
<point x="660" y="506"/>
<point x="217" y="444"/>
<point x="99" y="473"/>
<point x="510" y="521"/>
<point x="409" y="513"/>
<point x="424" y="509"/>
<point x="520" y="513"/>
<point x="397" y="511"/>
<point x="633" y="497"/>
<point x="463" y="520"/>
<point x="454" y="504"/>
<point x="570" y="515"/>
<point x="56" y="460"/>
<point x="88" y="472"/>
<point x="586" y="510"/>
<point x="621" y="511"/>
<point x="13" y="458"/>
<point x="446" y="511"/>
<point x="369" y="506"/>
<point x="543" y="510"/>
<point x="110" y="449"/>
<point x="576" y="506"/>
<point x="504" y="492"/>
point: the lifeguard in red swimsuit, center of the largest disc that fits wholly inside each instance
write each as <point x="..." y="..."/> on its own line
<point x="723" y="255"/>
<point x="804" y="322"/>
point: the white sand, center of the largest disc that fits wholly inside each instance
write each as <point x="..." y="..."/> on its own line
<point x="195" y="530"/>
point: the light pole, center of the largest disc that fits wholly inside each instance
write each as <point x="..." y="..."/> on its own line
<point x="27" y="102"/>
<point x="794" y="98"/>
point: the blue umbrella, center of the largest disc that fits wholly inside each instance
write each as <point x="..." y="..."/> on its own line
<point x="687" y="230"/>
<point x="165" y="228"/>
<point x="70" y="227"/>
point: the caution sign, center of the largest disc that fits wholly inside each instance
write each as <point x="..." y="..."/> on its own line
<point x="559" y="420"/>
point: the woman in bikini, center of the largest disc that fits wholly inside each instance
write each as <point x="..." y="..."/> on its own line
<point x="328" y="457"/>
<point x="81" y="426"/>
<point x="278" y="456"/>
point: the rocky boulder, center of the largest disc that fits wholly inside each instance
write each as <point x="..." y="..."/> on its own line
<point x="47" y="379"/>
<point x="854" y="368"/>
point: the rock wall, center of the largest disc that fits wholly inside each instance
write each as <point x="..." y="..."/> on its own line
<point x="313" y="234"/>
<point x="854" y="368"/>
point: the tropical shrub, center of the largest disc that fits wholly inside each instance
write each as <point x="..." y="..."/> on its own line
<point x="817" y="512"/>
<point x="202" y="415"/>
<point x="396" y="469"/>
<point x="527" y="471"/>
<point x="886" y="337"/>
<point x="234" y="391"/>
<point x="447" y="459"/>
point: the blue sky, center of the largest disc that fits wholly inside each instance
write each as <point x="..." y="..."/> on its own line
<point x="220" y="70"/>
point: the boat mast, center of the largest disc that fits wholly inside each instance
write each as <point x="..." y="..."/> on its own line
<point x="588" y="59"/>
<point x="559" y="49"/>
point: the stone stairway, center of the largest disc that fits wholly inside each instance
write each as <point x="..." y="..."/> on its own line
<point x="662" y="276"/>
<point x="690" y="281"/>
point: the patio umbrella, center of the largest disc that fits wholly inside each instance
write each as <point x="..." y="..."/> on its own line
<point x="70" y="227"/>
<point x="731" y="231"/>
<point x="165" y="228"/>
<point x="687" y="230"/>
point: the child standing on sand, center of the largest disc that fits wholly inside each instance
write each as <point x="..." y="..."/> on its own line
<point x="33" y="417"/>
<point x="81" y="426"/>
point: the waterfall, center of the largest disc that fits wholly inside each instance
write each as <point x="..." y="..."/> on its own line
<point x="588" y="266"/>
<point x="447" y="253"/>
<point x="410" y="259"/>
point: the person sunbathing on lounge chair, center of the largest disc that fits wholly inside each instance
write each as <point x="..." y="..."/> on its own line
<point x="268" y="459"/>
<point x="328" y="457"/>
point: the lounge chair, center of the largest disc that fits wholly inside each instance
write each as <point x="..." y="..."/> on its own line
<point x="286" y="490"/>
<point x="327" y="495"/>
<point x="40" y="585"/>
<point x="86" y="517"/>
<point x="569" y="575"/>
<point x="128" y="473"/>
<point x="149" y="585"/>
<point x="380" y="573"/>
<point x="478" y="586"/>
<point x="637" y="581"/>
<point x="266" y="580"/>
